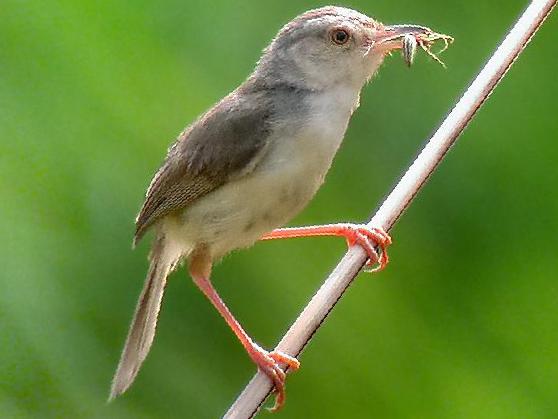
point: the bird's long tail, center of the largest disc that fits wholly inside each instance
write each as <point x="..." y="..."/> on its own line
<point x="142" y="330"/>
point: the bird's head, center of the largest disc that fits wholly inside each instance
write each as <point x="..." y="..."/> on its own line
<point x="328" y="46"/>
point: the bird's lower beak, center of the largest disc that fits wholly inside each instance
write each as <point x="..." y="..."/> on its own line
<point x="391" y="37"/>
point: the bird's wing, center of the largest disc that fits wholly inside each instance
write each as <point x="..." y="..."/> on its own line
<point x="225" y="142"/>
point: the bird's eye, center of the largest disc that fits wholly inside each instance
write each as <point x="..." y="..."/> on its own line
<point x="340" y="36"/>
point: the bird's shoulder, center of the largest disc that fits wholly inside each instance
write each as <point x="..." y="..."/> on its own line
<point x="224" y="142"/>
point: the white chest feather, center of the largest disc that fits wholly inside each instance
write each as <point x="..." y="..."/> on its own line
<point x="309" y="151"/>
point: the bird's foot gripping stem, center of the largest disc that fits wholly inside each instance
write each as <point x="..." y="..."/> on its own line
<point x="368" y="238"/>
<point x="271" y="364"/>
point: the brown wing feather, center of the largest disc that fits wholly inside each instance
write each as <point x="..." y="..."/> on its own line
<point x="227" y="141"/>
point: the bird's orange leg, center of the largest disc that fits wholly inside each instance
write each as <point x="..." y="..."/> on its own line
<point x="362" y="235"/>
<point x="268" y="362"/>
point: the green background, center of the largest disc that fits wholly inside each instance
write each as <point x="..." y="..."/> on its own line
<point x="463" y="323"/>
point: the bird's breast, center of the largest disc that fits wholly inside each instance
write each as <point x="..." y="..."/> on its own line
<point x="306" y="147"/>
<point x="301" y="154"/>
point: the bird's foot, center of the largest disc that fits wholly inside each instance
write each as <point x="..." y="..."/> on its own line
<point x="368" y="238"/>
<point x="271" y="364"/>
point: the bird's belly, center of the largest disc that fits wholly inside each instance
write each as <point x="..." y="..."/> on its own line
<point x="240" y="212"/>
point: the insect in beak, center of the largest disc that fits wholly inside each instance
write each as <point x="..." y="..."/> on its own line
<point x="409" y="49"/>
<point x="408" y="37"/>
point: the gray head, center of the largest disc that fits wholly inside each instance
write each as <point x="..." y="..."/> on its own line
<point x="326" y="46"/>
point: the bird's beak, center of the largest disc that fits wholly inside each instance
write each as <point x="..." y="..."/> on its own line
<point x="389" y="38"/>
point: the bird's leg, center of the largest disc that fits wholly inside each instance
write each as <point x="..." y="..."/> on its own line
<point x="268" y="362"/>
<point x="367" y="237"/>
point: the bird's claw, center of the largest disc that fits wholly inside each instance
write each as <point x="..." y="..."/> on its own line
<point x="271" y="364"/>
<point x="369" y="238"/>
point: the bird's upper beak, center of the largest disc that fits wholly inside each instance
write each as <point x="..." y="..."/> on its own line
<point x="390" y="37"/>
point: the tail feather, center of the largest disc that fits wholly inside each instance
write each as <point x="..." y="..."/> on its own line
<point x="142" y="330"/>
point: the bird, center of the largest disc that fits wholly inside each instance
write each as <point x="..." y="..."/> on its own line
<point x="248" y="165"/>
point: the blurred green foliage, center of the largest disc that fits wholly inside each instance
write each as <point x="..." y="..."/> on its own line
<point x="463" y="323"/>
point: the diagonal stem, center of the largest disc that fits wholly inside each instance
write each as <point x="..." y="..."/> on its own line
<point x="299" y="334"/>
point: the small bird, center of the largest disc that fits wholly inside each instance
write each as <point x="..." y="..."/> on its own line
<point x="253" y="161"/>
